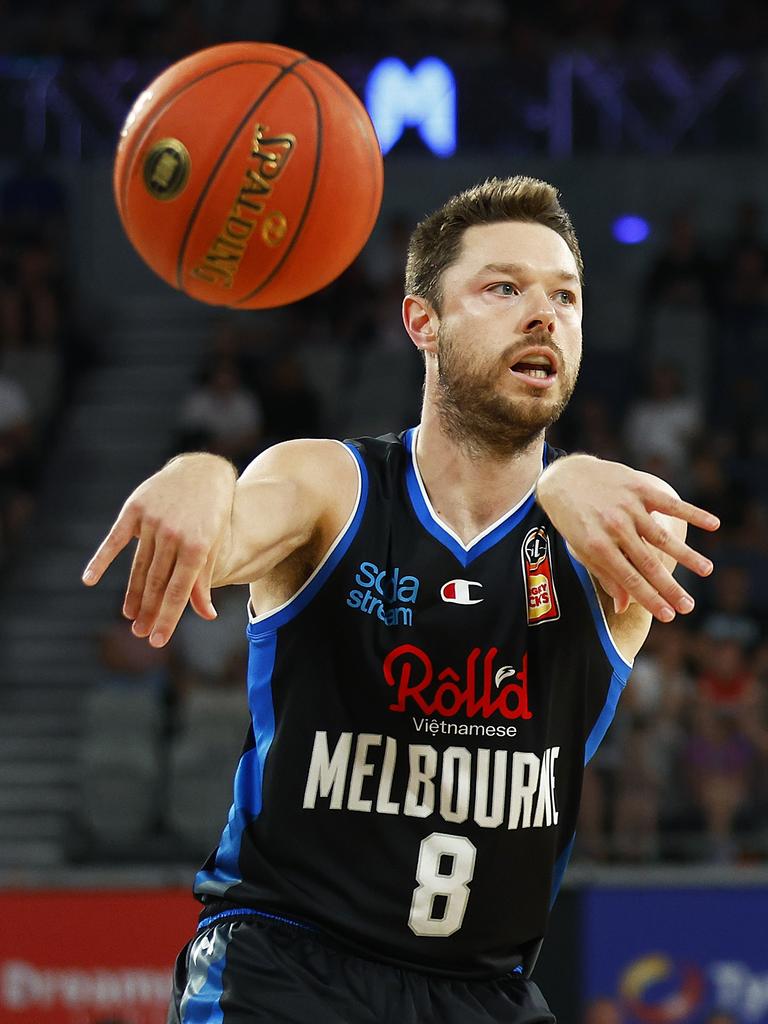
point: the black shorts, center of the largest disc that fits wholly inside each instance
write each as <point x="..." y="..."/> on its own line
<point x="247" y="968"/>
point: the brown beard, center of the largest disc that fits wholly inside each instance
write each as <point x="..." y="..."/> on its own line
<point x="480" y="420"/>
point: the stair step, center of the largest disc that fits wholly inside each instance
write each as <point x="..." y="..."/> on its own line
<point x="53" y="667"/>
<point x="63" y="624"/>
<point x="24" y="825"/>
<point x="31" y="724"/>
<point x="57" y="748"/>
<point x="117" y="378"/>
<point x="36" y="775"/>
<point x="37" y="799"/>
<point x="48" y="652"/>
<point x="38" y="697"/>
<point x="119" y="431"/>
<point x="31" y="853"/>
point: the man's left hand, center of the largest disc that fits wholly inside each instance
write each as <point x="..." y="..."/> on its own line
<point x="604" y="510"/>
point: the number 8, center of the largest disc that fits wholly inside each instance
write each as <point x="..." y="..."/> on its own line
<point x="452" y="884"/>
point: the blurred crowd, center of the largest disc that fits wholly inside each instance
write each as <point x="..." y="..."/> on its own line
<point x="171" y="28"/>
<point x="682" y="773"/>
<point x="43" y="344"/>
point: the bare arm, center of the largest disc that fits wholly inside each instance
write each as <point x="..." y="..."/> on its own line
<point x="281" y="501"/>
<point x="628" y="529"/>
<point x="198" y="526"/>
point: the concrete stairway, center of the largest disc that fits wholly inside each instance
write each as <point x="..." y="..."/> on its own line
<point x="118" y="431"/>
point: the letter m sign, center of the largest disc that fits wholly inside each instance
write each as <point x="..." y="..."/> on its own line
<point x="423" y="98"/>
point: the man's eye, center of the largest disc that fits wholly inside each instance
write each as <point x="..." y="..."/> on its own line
<point x="566" y="297"/>
<point x="504" y="288"/>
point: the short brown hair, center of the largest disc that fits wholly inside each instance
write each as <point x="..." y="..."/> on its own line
<point x="436" y="241"/>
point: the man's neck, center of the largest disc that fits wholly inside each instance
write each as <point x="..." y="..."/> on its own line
<point x="470" y="492"/>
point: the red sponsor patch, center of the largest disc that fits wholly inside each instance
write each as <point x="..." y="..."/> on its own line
<point x="540" y="594"/>
<point x="477" y="687"/>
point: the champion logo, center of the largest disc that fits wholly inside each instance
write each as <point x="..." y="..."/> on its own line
<point x="460" y="592"/>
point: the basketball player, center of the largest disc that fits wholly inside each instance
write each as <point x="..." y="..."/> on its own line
<point x="440" y="626"/>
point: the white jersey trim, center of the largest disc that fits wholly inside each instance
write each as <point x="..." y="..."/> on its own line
<point x="443" y="525"/>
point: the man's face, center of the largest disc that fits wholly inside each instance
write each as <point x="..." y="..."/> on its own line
<point x="509" y="343"/>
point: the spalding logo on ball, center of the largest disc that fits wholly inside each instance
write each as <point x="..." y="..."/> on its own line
<point x="248" y="175"/>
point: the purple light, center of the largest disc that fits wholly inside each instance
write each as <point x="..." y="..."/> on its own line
<point x="631" y="229"/>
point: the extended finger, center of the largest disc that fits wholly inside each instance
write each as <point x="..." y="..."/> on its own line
<point x="608" y="562"/>
<point x="667" y="541"/>
<point x="121" y="534"/>
<point x="663" y="501"/>
<point x="142" y="559"/>
<point x="619" y="595"/>
<point x="649" y="566"/>
<point x="158" y="575"/>
<point x="189" y="563"/>
<point x="200" y="597"/>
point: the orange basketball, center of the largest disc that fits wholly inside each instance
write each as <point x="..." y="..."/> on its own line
<point x="248" y="175"/>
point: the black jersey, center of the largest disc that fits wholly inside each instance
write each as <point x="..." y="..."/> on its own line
<point x="422" y="711"/>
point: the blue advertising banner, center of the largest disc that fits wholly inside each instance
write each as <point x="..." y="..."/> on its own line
<point x="674" y="956"/>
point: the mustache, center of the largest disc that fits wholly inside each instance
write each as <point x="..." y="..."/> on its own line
<point x="538" y="340"/>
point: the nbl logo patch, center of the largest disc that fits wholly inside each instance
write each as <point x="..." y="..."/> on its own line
<point x="540" y="595"/>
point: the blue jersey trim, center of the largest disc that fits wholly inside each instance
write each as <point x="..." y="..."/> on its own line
<point x="601" y="726"/>
<point x="560" y="865"/>
<point x="621" y="667"/>
<point x="249" y="776"/>
<point x="464" y="555"/>
<point x="248" y="912"/>
<point x="300" y="600"/>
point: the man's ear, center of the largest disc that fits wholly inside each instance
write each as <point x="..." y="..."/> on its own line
<point x="422" y="323"/>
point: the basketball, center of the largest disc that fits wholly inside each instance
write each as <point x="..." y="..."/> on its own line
<point x="248" y="175"/>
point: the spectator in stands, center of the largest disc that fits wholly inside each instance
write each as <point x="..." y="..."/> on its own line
<point x="711" y="482"/>
<point x="602" y="1010"/>
<point x="212" y="654"/>
<point x="721" y="1017"/>
<point x="33" y="201"/>
<point x="682" y="272"/>
<point x="718" y="761"/>
<point x="291" y="406"/>
<point x="592" y="428"/>
<point x="128" y="661"/>
<point x="726" y="682"/>
<point x="222" y="416"/>
<point x="745" y="290"/>
<point x="731" y="614"/>
<point x="747" y="227"/>
<point x="649" y="734"/>
<point x="662" y="424"/>
<point x="33" y="325"/>
<point x="17" y="464"/>
<point x="638" y="789"/>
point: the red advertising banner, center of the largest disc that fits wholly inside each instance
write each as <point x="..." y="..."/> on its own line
<point x="91" y="957"/>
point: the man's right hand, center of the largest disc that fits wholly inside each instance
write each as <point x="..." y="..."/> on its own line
<point x="181" y="517"/>
<point x="199" y="526"/>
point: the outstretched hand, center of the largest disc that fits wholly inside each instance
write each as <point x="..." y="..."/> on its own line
<point x="608" y="514"/>
<point x="180" y="517"/>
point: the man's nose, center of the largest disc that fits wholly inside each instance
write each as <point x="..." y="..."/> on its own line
<point x="539" y="313"/>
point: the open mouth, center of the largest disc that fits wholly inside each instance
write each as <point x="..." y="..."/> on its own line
<point x="539" y="370"/>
